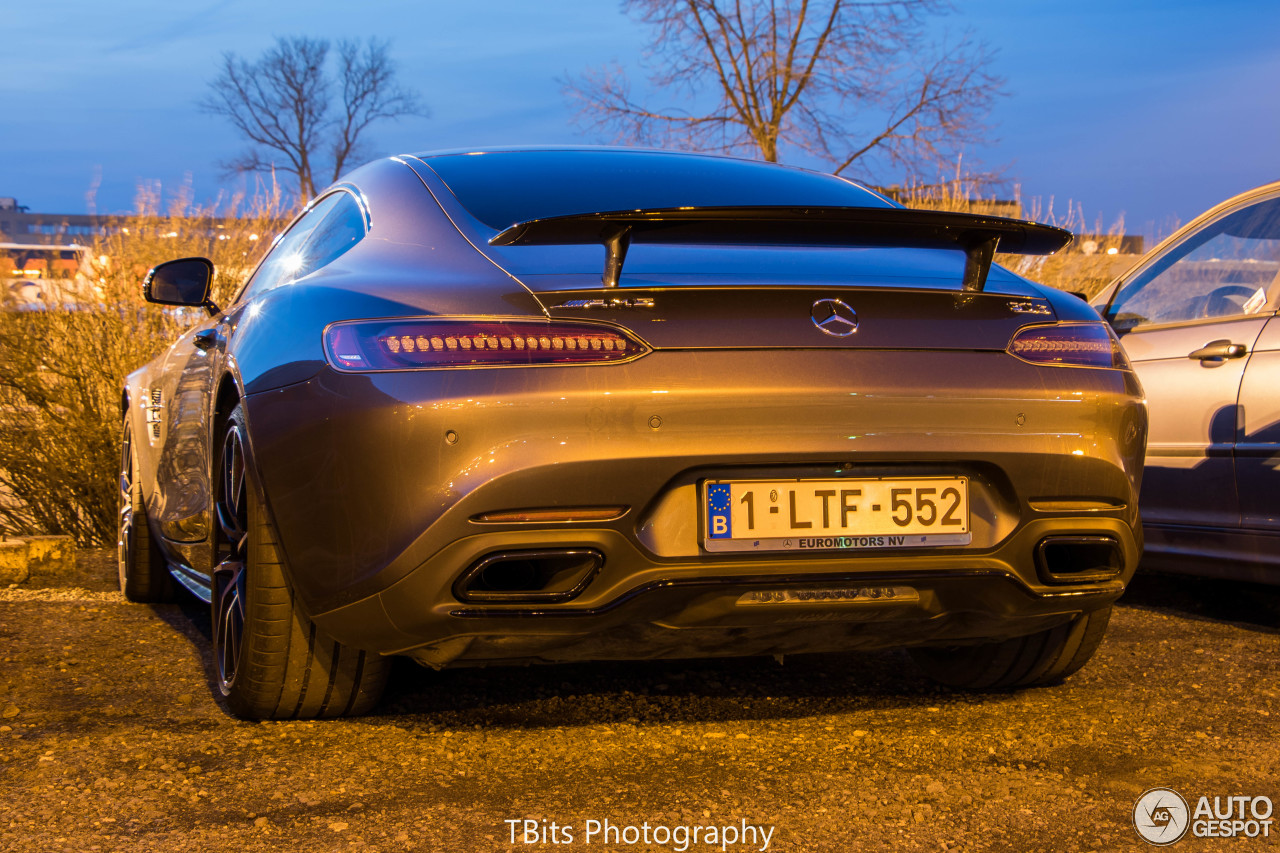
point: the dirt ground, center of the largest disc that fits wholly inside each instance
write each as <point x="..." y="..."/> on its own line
<point x="110" y="739"/>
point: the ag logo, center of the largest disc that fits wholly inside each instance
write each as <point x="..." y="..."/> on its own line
<point x="1161" y="816"/>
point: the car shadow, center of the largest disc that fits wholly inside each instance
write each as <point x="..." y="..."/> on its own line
<point x="612" y="692"/>
<point x="1239" y="602"/>
<point x="190" y="619"/>
<point x="674" y="691"/>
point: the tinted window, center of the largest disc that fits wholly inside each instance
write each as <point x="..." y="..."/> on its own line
<point x="285" y="258"/>
<point x="503" y="188"/>
<point x="340" y="229"/>
<point x="1225" y="269"/>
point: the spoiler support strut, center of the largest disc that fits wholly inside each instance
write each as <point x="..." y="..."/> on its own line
<point x="977" y="263"/>
<point x="616" y="239"/>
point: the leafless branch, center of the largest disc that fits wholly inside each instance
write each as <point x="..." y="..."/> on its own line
<point x="369" y="93"/>
<point x="845" y="81"/>
<point x="283" y="104"/>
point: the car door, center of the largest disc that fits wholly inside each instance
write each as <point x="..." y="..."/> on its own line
<point x="1190" y="319"/>
<point x="1258" y="449"/>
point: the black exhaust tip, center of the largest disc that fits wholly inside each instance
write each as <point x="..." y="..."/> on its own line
<point x="543" y="576"/>
<point x="1078" y="559"/>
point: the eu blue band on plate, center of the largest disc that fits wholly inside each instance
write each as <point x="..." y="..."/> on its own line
<point x="719" y="514"/>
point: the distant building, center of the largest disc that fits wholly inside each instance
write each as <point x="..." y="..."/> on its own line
<point x="18" y="226"/>
<point x="949" y="198"/>
<point x="1109" y="244"/>
<point x="42" y="253"/>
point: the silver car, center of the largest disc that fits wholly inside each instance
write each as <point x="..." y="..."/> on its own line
<point x="1198" y="319"/>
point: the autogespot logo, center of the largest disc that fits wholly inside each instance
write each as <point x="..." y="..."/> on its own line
<point x="834" y="317"/>
<point x="1161" y="816"/>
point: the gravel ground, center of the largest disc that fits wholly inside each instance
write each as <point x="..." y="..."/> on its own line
<point x="110" y="740"/>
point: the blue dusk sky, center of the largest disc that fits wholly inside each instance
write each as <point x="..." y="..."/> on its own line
<point x="1149" y="109"/>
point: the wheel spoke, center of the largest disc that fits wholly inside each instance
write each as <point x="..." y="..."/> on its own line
<point x="126" y="525"/>
<point x="229" y="615"/>
<point x="233" y="480"/>
<point x="232" y="509"/>
<point x="229" y="578"/>
<point x="232" y="530"/>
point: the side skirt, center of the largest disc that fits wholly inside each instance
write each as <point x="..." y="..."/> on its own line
<point x="1237" y="554"/>
<point x="198" y="584"/>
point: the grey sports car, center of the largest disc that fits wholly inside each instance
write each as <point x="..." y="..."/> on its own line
<point x="514" y="405"/>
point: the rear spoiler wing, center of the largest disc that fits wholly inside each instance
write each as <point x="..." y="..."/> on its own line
<point x="980" y="237"/>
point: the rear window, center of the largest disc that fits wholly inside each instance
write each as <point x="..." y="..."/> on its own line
<point x="506" y="187"/>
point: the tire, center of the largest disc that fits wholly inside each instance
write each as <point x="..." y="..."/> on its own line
<point x="1043" y="658"/>
<point x="144" y="573"/>
<point x="272" y="662"/>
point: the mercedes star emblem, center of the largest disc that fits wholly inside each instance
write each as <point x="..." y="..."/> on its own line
<point x="834" y="317"/>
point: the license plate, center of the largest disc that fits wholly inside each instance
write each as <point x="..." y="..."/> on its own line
<point x="835" y="515"/>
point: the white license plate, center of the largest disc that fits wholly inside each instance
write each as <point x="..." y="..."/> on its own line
<point x="833" y="515"/>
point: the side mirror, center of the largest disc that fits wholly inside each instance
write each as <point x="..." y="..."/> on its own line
<point x="181" y="282"/>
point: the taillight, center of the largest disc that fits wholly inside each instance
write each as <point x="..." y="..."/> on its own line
<point x="363" y="345"/>
<point x="1075" y="344"/>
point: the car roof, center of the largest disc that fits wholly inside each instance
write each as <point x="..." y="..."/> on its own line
<point x="500" y="187"/>
<point x="646" y="153"/>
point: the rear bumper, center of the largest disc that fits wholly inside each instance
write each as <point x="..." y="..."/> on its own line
<point x="637" y="608"/>
<point x="374" y="483"/>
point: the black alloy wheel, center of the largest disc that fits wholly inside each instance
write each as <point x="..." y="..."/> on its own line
<point x="229" y="591"/>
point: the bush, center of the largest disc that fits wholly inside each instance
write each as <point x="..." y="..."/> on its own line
<point x="63" y="360"/>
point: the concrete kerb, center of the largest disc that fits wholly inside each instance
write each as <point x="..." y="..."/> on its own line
<point x="44" y="560"/>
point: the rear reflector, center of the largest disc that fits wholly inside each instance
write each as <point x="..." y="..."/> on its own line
<point x="365" y="345"/>
<point x="1070" y="344"/>
<point x="559" y="514"/>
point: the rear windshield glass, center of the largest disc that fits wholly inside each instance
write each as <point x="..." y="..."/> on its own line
<point x="506" y="187"/>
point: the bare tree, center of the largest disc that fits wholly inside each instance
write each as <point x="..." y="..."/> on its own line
<point x="847" y="81"/>
<point x="298" y="118"/>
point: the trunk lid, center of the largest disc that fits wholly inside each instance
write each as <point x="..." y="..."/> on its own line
<point x="813" y="316"/>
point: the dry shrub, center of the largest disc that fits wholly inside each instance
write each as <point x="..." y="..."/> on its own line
<point x="1086" y="266"/>
<point x="63" y="360"/>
